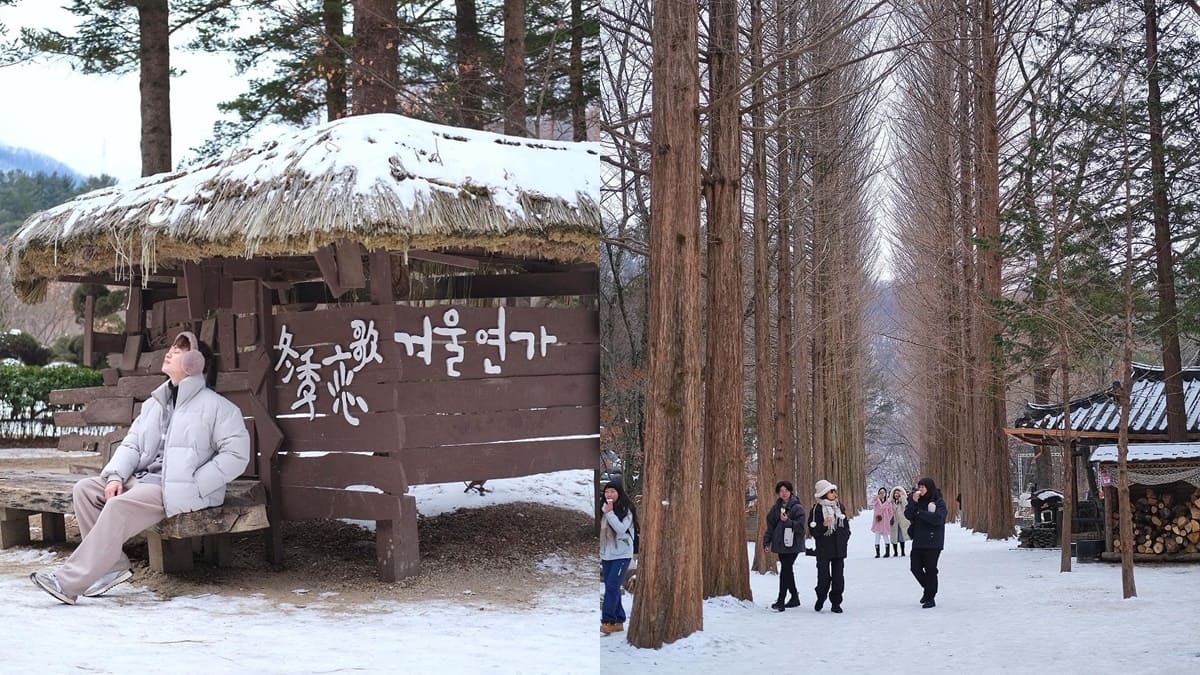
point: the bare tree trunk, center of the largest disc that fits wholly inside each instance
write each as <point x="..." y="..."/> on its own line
<point x="668" y="601"/>
<point x="1167" y="310"/>
<point x="154" y="57"/>
<point x="725" y="565"/>
<point x="764" y="407"/>
<point x="333" y="58"/>
<point x="470" y="64"/>
<point x="578" y="107"/>
<point x="375" y="63"/>
<point x="514" y="67"/>
<point x="785" y="446"/>
<point x="1124" y="505"/>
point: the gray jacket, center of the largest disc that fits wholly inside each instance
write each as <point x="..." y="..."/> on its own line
<point x="616" y="537"/>
<point x="206" y="446"/>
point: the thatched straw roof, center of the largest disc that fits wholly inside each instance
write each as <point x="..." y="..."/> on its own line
<point x="384" y="180"/>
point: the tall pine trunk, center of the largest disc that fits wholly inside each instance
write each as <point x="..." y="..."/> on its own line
<point x="375" y="62"/>
<point x="668" y="601"/>
<point x="764" y="416"/>
<point x="333" y="58"/>
<point x="470" y="64"/>
<point x="575" y="78"/>
<point x="514" y="68"/>
<point x="154" y="57"/>
<point x="725" y="565"/>
<point x="1164" y="267"/>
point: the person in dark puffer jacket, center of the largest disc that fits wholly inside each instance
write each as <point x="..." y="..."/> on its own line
<point x="927" y="511"/>
<point x="830" y="529"/>
<point x="785" y="536"/>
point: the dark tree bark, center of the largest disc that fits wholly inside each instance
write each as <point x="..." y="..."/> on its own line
<point x="333" y="58"/>
<point x="668" y="602"/>
<point x="154" y="55"/>
<point x="375" y="75"/>
<point x="578" y="106"/>
<point x="1167" y="309"/>
<point x="725" y="566"/>
<point x="470" y="64"/>
<point x="514" y="68"/>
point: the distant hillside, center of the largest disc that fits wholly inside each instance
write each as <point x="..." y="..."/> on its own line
<point x="30" y="162"/>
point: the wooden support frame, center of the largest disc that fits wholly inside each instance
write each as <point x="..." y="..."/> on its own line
<point x="14" y="527"/>
<point x="89" y="315"/>
<point x="168" y="555"/>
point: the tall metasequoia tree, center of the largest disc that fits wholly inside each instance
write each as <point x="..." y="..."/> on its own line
<point x="470" y="64"/>
<point x="764" y="418"/>
<point x="374" y="73"/>
<point x="785" y="141"/>
<point x="725" y="565"/>
<point x="668" y="600"/>
<point x="514" y="67"/>
<point x="575" y="77"/>
<point x="154" y="83"/>
<point x="1168" y="310"/>
<point x="332" y="60"/>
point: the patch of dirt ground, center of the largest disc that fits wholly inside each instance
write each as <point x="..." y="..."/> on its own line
<point x="506" y="554"/>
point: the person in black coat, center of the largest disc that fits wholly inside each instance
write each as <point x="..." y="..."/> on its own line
<point x="926" y="510"/>
<point x="830" y="528"/>
<point x="785" y="536"/>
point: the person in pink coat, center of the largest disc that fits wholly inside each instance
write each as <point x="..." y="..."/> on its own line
<point x="881" y="523"/>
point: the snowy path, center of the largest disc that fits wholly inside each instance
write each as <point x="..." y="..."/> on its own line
<point x="999" y="611"/>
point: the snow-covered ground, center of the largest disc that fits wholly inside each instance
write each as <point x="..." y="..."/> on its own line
<point x="999" y="610"/>
<point x="134" y="629"/>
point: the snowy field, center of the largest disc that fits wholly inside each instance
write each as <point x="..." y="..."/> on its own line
<point x="999" y="610"/>
<point x="133" y="629"/>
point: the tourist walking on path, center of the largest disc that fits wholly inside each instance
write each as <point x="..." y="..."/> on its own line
<point x="830" y="529"/>
<point x="785" y="536"/>
<point x="616" y="552"/>
<point x="899" y="522"/>
<point x="927" y="511"/>
<point x="881" y="523"/>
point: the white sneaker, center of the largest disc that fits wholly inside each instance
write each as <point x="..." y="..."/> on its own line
<point x="49" y="583"/>
<point x="106" y="583"/>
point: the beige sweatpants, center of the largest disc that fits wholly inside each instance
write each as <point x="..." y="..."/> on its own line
<point x="105" y="526"/>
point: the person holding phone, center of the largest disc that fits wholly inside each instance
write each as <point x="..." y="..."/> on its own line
<point x="899" y="522"/>
<point x="927" y="511"/>
<point x="616" y="552"/>
<point x="882" y="523"/>
<point x="785" y="536"/>
<point x="830" y="528"/>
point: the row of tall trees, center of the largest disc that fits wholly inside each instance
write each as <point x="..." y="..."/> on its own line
<point x="741" y="143"/>
<point x="528" y="68"/>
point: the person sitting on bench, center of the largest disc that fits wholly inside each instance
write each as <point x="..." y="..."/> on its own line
<point x="187" y="443"/>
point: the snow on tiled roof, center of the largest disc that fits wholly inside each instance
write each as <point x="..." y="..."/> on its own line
<point x="1148" y="452"/>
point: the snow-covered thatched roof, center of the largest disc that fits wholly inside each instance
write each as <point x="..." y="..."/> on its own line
<point x="386" y="181"/>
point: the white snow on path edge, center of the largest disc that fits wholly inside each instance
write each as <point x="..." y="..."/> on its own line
<point x="999" y="610"/>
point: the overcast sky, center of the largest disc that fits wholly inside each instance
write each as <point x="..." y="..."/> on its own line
<point x="91" y="122"/>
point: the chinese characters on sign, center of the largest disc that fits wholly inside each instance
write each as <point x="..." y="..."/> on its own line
<point x="364" y="350"/>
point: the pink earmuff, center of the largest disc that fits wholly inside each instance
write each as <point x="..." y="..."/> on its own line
<point x="193" y="360"/>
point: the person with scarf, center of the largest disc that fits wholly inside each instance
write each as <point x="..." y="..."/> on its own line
<point x="927" y="511"/>
<point x="785" y="536"/>
<point x="616" y="552"/>
<point x="830" y="528"/>
<point x="899" y="522"/>
<point x="882" y="523"/>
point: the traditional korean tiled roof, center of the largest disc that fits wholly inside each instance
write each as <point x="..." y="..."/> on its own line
<point x="1148" y="452"/>
<point x="1098" y="415"/>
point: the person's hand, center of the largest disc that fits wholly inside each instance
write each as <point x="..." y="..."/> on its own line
<point x="828" y="521"/>
<point x="783" y="515"/>
<point x="114" y="488"/>
<point x="607" y="506"/>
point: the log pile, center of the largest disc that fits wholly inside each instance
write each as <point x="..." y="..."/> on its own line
<point x="1163" y="523"/>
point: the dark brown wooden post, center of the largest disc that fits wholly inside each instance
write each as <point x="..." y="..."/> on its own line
<point x="89" y="314"/>
<point x="270" y="437"/>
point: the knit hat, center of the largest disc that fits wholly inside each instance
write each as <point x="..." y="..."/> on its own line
<point x="193" y="360"/>
<point x="822" y="488"/>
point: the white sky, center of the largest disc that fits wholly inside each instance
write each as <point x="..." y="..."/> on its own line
<point x="91" y="122"/>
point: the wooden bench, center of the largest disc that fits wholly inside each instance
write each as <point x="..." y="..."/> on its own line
<point x="171" y="543"/>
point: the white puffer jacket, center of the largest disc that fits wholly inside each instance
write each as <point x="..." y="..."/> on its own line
<point x="207" y="446"/>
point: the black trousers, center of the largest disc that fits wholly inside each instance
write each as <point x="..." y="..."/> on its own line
<point x="787" y="575"/>
<point x="923" y="563"/>
<point x="831" y="579"/>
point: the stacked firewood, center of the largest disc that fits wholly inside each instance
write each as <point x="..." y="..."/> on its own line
<point x="1163" y="522"/>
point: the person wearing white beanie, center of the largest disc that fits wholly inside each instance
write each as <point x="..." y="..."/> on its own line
<point x="830" y="529"/>
<point x="184" y="446"/>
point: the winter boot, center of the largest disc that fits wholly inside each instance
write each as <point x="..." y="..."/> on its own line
<point x="876" y="550"/>
<point x="794" y="601"/>
<point x="887" y="550"/>
<point x="896" y="550"/>
<point x="902" y="548"/>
